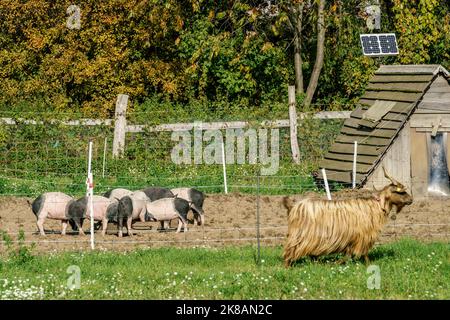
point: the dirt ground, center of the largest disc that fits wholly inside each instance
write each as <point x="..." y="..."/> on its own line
<point x="229" y="220"/>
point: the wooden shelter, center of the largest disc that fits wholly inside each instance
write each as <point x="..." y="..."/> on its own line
<point x="401" y="123"/>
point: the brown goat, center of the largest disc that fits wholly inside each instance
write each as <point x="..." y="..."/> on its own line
<point x="319" y="227"/>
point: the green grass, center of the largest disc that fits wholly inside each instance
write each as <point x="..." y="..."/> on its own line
<point x="409" y="270"/>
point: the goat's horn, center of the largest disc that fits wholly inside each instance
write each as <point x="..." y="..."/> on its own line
<point x="389" y="177"/>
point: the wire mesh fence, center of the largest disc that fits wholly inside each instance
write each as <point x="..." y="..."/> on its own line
<point x="47" y="157"/>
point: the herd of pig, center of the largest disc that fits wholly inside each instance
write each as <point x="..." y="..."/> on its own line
<point x="121" y="206"/>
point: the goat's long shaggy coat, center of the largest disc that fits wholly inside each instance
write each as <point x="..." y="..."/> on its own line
<point x="320" y="227"/>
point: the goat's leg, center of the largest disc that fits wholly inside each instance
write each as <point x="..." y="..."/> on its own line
<point x="344" y="259"/>
<point x="366" y="259"/>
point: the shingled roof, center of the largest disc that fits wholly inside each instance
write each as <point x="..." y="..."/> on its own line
<point x="394" y="91"/>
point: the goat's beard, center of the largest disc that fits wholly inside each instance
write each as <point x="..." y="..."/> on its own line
<point x="398" y="208"/>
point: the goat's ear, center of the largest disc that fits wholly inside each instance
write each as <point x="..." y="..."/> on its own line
<point x="384" y="203"/>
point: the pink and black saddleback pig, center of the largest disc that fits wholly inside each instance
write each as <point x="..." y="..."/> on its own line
<point x="51" y="205"/>
<point x="131" y="208"/>
<point x="167" y="209"/>
<point x="156" y="193"/>
<point x="195" y="199"/>
<point x="104" y="208"/>
<point x="117" y="193"/>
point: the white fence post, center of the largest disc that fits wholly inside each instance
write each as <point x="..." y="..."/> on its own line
<point x="224" y="167"/>
<point x="325" y="180"/>
<point x="355" y="154"/>
<point x="120" y="125"/>
<point x="90" y="194"/>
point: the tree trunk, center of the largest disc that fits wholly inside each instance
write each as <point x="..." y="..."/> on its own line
<point x="319" y="55"/>
<point x="298" y="63"/>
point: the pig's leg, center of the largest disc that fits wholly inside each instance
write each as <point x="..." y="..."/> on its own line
<point x="64" y="227"/>
<point x="129" y="220"/>
<point x="163" y="224"/>
<point x="185" y="226"/>
<point x="180" y="223"/>
<point x="105" y="226"/>
<point x="120" y="227"/>
<point x="78" y="224"/>
<point x="167" y="224"/>
<point x="40" y="223"/>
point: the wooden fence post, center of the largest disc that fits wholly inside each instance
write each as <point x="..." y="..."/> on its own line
<point x="120" y="125"/>
<point x="293" y="124"/>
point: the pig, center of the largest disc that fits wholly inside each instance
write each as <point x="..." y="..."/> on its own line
<point x="104" y="209"/>
<point x="167" y="209"/>
<point x="118" y="193"/>
<point x="155" y="193"/>
<point x="195" y="199"/>
<point x="51" y="205"/>
<point x="130" y="208"/>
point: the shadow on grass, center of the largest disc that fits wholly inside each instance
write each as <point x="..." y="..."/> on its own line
<point x="336" y="258"/>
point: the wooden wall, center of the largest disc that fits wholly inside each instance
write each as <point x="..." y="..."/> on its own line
<point x="396" y="161"/>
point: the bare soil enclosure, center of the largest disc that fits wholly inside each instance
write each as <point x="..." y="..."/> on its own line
<point x="229" y="220"/>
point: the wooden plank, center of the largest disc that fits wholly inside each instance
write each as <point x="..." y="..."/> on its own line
<point x="352" y="122"/>
<point x="434" y="106"/>
<point x="392" y="96"/>
<point x="329" y="164"/>
<point x="419" y="163"/>
<point x="391" y="116"/>
<point x="440" y="84"/>
<point x="368" y="124"/>
<point x="400" y="78"/>
<point x="385" y="124"/>
<point x="358" y="112"/>
<point x="409" y="69"/>
<point x="370" y="141"/>
<point x="377" y="111"/>
<point x="396" y="161"/>
<point x="427" y="120"/>
<point x="379" y="133"/>
<point x="399" y="107"/>
<point x="340" y="176"/>
<point x="440" y="129"/>
<point x="363" y="150"/>
<point x="81" y="122"/>
<point x="398" y="86"/>
<point x="437" y="97"/>
<point x="238" y="124"/>
<point x="349" y="157"/>
<point x="293" y="125"/>
<point x="430" y="111"/>
<point x="120" y="125"/>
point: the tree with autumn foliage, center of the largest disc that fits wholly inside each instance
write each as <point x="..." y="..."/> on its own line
<point x="240" y="53"/>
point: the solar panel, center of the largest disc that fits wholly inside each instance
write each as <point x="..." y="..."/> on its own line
<point x="379" y="44"/>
